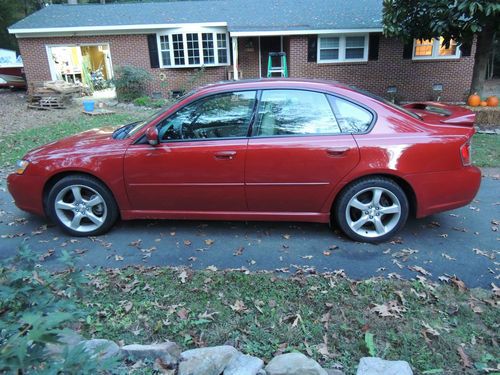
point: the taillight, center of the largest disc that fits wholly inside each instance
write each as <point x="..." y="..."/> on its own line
<point x="465" y="153"/>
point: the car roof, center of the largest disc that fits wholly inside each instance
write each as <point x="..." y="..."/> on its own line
<point x="268" y="83"/>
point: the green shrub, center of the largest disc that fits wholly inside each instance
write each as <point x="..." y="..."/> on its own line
<point x="130" y="82"/>
<point x="146" y="101"/>
<point x="36" y="309"/>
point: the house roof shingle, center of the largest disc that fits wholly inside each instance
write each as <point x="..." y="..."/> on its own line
<point x="240" y="15"/>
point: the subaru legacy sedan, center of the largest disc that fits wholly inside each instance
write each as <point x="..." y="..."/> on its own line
<point x="272" y="149"/>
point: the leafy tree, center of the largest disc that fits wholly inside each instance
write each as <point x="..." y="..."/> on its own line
<point x="460" y="20"/>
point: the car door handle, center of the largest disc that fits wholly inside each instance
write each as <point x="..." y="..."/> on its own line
<point x="337" y="151"/>
<point x="225" y="155"/>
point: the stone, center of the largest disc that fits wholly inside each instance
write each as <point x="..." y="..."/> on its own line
<point x="168" y="352"/>
<point x="101" y="348"/>
<point x="294" y="364"/>
<point x="379" y="366"/>
<point x="244" y="365"/>
<point x="333" y="371"/>
<point x="66" y="338"/>
<point x="206" y="361"/>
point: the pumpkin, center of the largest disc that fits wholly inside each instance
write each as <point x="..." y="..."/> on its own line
<point x="492" y="101"/>
<point x="474" y="100"/>
<point x="483" y="104"/>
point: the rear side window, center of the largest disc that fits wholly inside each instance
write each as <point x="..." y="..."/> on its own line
<point x="351" y="117"/>
<point x="295" y="112"/>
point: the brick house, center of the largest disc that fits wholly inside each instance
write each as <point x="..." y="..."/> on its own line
<point x="231" y="39"/>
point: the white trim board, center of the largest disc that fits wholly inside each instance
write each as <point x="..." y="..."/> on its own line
<point x="304" y="32"/>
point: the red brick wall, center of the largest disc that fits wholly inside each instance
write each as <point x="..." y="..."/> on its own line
<point x="125" y="50"/>
<point x="413" y="79"/>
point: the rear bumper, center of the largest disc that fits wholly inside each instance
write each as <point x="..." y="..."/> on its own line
<point x="27" y="192"/>
<point x="442" y="191"/>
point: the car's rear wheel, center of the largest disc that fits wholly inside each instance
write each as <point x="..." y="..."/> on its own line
<point x="371" y="209"/>
<point x="82" y="206"/>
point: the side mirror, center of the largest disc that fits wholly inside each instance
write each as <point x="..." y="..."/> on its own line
<point x="152" y="136"/>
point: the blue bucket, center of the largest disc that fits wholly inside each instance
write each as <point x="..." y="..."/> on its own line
<point x="88" y="105"/>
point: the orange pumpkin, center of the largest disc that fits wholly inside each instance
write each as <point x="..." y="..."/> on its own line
<point x="474" y="100"/>
<point x="492" y="101"/>
<point x="483" y="104"/>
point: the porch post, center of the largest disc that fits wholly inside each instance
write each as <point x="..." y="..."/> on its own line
<point x="235" y="58"/>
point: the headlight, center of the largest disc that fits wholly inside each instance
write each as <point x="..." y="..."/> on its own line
<point x="21" y="166"/>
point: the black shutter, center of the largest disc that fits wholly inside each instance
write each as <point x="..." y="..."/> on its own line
<point x="408" y="50"/>
<point x="465" y="48"/>
<point x="312" y="48"/>
<point x="153" y="51"/>
<point x="373" y="43"/>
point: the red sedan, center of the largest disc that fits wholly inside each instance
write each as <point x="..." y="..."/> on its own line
<point x="293" y="150"/>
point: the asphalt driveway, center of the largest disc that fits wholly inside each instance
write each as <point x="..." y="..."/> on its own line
<point x="463" y="242"/>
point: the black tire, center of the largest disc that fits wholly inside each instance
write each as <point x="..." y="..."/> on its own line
<point x="91" y="190"/>
<point x="392" y="196"/>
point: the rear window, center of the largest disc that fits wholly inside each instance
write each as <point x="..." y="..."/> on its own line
<point x="351" y="117"/>
<point x="387" y="102"/>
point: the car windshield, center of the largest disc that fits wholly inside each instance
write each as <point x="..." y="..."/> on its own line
<point x="132" y="128"/>
<point x="387" y="102"/>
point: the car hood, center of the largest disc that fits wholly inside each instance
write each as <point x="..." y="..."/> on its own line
<point x="90" y="141"/>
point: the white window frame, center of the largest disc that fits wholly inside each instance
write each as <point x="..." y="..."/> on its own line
<point x="435" y="52"/>
<point x="342" y="48"/>
<point x="200" y="31"/>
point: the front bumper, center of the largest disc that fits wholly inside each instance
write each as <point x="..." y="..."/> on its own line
<point x="443" y="191"/>
<point x="27" y="192"/>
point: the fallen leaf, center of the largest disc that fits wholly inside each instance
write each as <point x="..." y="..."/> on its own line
<point x="458" y="283"/>
<point x="307" y="257"/>
<point x="286" y="236"/>
<point x="239" y="251"/>
<point x="212" y="268"/>
<point x="327" y="253"/>
<point x="446" y="256"/>
<point x="118" y="257"/>
<point x="45" y="255"/>
<point x="127" y="307"/>
<point x="464" y="358"/>
<point x="183" y="313"/>
<point x="183" y="276"/>
<point x="187" y="242"/>
<point x="209" y="242"/>
<point x="238" y="306"/>
<point x="388" y="309"/>
<point x="420" y="270"/>
<point x="136" y="243"/>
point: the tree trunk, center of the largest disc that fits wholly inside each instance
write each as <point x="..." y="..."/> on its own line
<point x="484" y="45"/>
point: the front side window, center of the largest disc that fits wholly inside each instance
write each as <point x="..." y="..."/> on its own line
<point x="193" y="49"/>
<point x="342" y="48"/>
<point x="294" y="112"/>
<point x="351" y="117"/>
<point x="435" y="49"/>
<point x="220" y="116"/>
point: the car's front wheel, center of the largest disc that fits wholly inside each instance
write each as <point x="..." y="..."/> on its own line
<point x="371" y="209"/>
<point x="82" y="206"/>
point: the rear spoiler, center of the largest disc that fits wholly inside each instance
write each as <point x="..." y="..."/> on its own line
<point x="438" y="113"/>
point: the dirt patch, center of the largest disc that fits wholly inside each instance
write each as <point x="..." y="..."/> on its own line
<point x="16" y="116"/>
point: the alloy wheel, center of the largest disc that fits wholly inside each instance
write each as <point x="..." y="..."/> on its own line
<point x="373" y="212"/>
<point x="80" y="208"/>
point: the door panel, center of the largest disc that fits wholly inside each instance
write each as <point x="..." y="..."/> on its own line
<point x="298" y="154"/>
<point x="187" y="176"/>
<point x="296" y="174"/>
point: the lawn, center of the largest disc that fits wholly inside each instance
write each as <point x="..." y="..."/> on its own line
<point x="328" y="317"/>
<point x="486" y="150"/>
<point x="14" y="146"/>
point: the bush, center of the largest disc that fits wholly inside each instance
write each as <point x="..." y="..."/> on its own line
<point x="36" y="309"/>
<point x="130" y="82"/>
<point x="146" y="101"/>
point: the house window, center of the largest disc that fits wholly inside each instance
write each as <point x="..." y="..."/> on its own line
<point x="208" y="48"/>
<point x="342" y="48"/>
<point x="193" y="49"/>
<point x="165" y="49"/>
<point x="435" y="49"/>
<point x="222" y="48"/>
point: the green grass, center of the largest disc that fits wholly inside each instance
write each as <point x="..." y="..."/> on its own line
<point x="486" y="150"/>
<point x="262" y="314"/>
<point x="14" y="146"/>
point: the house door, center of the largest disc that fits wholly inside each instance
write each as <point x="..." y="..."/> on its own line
<point x="269" y="44"/>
